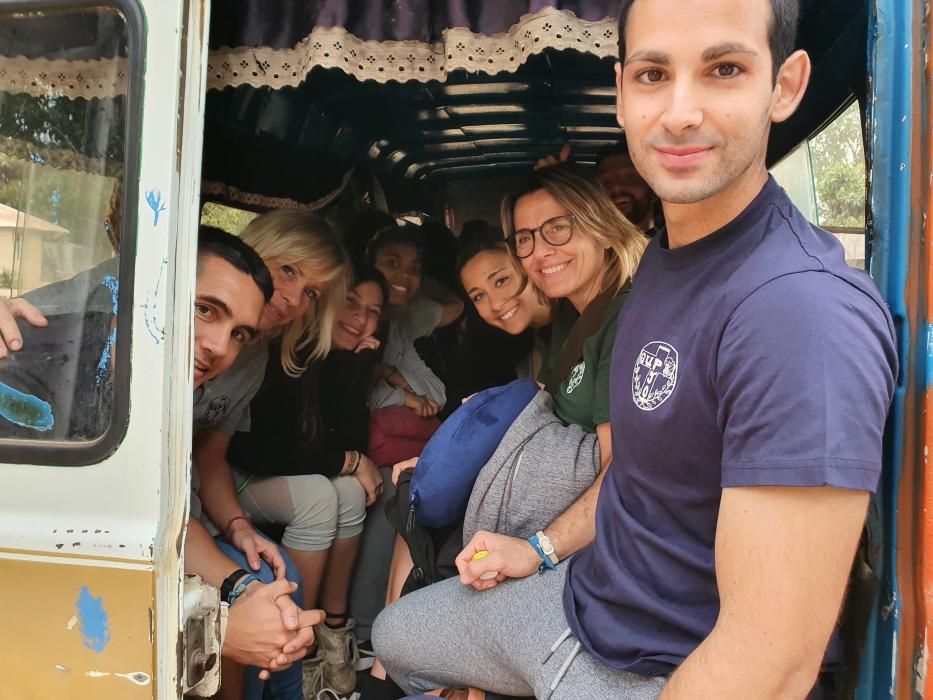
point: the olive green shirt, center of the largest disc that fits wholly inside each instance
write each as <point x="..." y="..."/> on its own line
<point x="583" y="397"/>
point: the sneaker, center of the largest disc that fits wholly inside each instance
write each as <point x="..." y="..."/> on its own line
<point x="339" y="655"/>
<point x="312" y="677"/>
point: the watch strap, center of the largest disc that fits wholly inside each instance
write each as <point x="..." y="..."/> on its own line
<point x="227" y="587"/>
<point x="547" y="547"/>
<point x="546" y="564"/>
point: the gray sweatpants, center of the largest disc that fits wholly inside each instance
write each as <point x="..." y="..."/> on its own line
<point x="449" y="635"/>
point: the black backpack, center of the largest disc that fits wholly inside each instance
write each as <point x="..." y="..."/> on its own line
<point x="433" y="550"/>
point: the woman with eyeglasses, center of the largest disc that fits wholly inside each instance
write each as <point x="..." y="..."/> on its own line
<point x="579" y="250"/>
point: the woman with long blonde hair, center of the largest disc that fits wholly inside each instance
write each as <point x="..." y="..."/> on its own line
<point x="323" y="515"/>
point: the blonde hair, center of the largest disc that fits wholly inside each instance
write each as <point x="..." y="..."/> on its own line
<point x="579" y="192"/>
<point x="307" y="240"/>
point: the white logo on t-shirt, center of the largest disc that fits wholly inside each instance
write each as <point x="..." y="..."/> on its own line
<point x="576" y="376"/>
<point x="655" y="375"/>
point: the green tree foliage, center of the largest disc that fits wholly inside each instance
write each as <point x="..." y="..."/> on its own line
<point x="839" y="171"/>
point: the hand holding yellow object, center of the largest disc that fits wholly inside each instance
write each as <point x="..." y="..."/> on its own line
<point x="482" y="554"/>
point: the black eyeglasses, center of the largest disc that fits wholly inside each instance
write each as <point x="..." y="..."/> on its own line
<point x="556" y="231"/>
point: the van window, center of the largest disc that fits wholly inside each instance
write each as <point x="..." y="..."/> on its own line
<point x="64" y="223"/>
<point x="825" y="178"/>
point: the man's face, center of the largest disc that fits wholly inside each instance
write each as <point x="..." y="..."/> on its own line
<point x="696" y="94"/>
<point x="627" y="189"/>
<point x="227" y="307"/>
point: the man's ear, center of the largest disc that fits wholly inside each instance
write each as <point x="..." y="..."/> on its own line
<point x="790" y="86"/>
<point x="619" y="112"/>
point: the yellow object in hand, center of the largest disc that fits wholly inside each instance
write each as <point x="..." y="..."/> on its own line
<point x="482" y="554"/>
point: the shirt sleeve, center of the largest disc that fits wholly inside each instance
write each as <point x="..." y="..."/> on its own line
<point x="805" y="373"/>
<point x="603" y="372"/>
<point x="90" y="290"/>
<point x="384" y="394"/>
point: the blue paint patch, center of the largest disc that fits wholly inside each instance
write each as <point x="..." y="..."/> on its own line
<point x="154" y="200"/>
<point x="36" y="158"/>
<point x="103" y="365"/>
<point x="95" y="627"/>
<point x="110" y="282"/>
<point x="25" y="409"/>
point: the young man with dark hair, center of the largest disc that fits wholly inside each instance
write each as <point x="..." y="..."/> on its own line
<point x="751" y="379"/>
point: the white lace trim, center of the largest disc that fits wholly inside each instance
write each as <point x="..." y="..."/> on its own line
<point x="39" y="77"/>
<point x="60" y="158"/>
<point x="334" y="47"/>
<point x="262" y="201"/>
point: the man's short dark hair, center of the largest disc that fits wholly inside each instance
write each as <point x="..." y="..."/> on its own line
<point x="215" y="241"/>
<point x="782" y="32"/>
<point x="619" y="148"/>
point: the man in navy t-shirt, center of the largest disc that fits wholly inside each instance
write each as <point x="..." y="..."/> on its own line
<point x="751" y="378"/>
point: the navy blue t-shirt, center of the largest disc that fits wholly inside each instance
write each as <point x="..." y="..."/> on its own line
<point x="752" y="357"/>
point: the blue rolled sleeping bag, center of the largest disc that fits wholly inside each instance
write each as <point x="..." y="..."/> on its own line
<point x="452" y="459"/>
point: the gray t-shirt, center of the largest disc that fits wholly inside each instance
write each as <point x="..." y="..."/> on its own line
<point x="223" y="403"/>
<point x="420" y="319"/>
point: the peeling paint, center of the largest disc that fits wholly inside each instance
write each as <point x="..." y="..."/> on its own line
<point x="71" y="623"/>
<point x="139" y="678"/>
<point x="95" y="626"/>
<point x="152" y="313"/>
<point x="25" y="409"/>
<point x="63" y="669"/>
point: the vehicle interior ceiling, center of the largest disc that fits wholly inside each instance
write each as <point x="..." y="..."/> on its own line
<point x="460" y="143"/>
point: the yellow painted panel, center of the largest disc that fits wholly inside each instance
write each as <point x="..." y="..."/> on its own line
<point x="69" y="629"/>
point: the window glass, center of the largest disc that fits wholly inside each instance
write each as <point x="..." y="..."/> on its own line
<point x="63" y="124"/>
<point x="825" y="177"/>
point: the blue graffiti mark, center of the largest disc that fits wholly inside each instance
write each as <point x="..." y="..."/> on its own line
<point x="56" y="197"/>
<point x="25" y="409"/>
<point x="36" y="158"/>
<point x="110" y="282"/>
<point x="95" y="627"/>
<point x="103" y="365"/>
<point x="154" y="199"/>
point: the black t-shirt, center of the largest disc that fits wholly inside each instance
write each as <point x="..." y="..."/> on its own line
<point x="304" y="425"/>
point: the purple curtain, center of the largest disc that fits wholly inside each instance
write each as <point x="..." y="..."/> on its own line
<point x="283" y="23"/>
